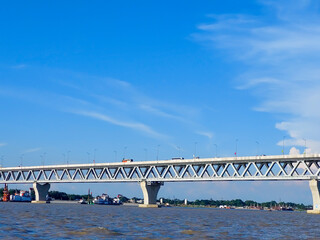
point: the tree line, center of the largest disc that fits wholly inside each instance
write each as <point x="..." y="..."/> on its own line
<point x="236" y="203"/>
<point x="199" y="202"/>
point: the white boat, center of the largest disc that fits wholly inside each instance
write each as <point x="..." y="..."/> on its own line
<point x="102" y="200"/>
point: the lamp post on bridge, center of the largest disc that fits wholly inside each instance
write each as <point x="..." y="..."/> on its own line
<point x="94" y="156"/>
<point x="68" y="155"/>
<point x="88" y="157"/>
<point x="179" y="151"/>
<point x="236" y="152"/>
<point x="21" y="159"/>
<point x="283" y="145"/>
<point x="115" y="155"/>
<point x="158" y="152"/>
<point x="195" y="149"/>
<point x="124" y="152"/>
<point x="216" y="149"/>
<point x="2" y="157"/>
<point x="146" y="153"/>
<point x="44" y="157"/>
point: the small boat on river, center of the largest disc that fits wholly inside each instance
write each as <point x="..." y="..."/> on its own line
<point x="23" y="196"/>
<point x="104" y="199"/>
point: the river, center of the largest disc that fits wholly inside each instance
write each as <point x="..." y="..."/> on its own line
<point x="75" y="221"/>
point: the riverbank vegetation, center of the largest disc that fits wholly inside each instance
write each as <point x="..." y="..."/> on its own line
<point x="177" y="202"/>
<point x="236" y="203"/>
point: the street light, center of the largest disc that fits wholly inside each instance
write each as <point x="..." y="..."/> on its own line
<point x="195" y="149"/>
<point x="68" y="154"/>
<point x="88" y="157"/>
<point x="146" y="153"/>
<point x="305" y="146"/>
<point x="236" y="148"/>
<point x="124" y="152"/>
<point x="216" y="149"/>
<point x="21" y="159"/>
<point x="94" y="155"/>
<point x="44" y="157"/>
<point x="158" y="152"/>
<point x="2" y="157"/>
<point x="115" y="155"/>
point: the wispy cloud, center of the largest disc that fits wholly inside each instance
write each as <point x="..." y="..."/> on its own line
<point x="132" y="125"/>
<point x="20" y="66"/>
<point x="281" y="57"/>
<point x="3" y="144"/>
<point x="205" y="134"/>
<point x="161" y="113"/>
<point x="99" y="95"/>
<point x="31" y="150"/>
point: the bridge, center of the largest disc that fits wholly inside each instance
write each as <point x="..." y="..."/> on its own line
<point x="152" y="174"/>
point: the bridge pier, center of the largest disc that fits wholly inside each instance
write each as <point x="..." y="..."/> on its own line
<point x="150" y="191"/>
<point x="41" y="192"/>
<point x="315" y="187"/>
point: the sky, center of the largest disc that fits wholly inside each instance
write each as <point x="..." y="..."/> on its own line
<point x="102" y="81"/>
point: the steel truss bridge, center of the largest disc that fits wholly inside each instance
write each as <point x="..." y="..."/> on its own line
<point x="282" y="167"/>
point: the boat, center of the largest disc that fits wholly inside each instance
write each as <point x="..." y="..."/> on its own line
<point x="286" y="209"/>
<point x="102" y="200"/>
<point x="23" y="196"/>
<point x="116" y="200"/>
<point x="82" y="201"/>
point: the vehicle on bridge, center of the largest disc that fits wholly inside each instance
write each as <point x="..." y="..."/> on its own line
<point x="127" y="160"/>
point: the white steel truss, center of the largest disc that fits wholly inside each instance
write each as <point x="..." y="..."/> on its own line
<point x="301" y="167"/>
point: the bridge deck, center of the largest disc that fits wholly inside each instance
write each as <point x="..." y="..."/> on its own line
<point x="279" y="167"/>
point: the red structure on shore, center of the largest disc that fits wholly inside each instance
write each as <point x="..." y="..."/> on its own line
<point x="6" y="194"/>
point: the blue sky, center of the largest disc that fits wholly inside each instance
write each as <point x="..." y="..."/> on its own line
<point x="108" y="80"/>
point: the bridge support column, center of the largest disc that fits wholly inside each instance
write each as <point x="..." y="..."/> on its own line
<point x="41" y="192"/>
<point x="150" y="191"/>
<point x="315" y="187"/>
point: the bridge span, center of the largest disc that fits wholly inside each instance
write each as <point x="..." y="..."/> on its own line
<point x="152" y="174"/>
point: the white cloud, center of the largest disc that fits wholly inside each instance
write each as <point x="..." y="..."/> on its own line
<point x="133" y="125"/>
<point x="20" y="66"/>
<point x="281" y="55"/>
<point x="294" y="151"/>
<point x="3" y="144"/>
<point x="158" y="112"/>
<point x="120" y="99"/>
<point x="31" y="150"/>
<point x="206" y="134"/>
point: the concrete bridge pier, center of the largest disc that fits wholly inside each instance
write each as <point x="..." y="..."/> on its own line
<point x="41" y="192"/>
<point x="150" y="191"/>
<point x="315" y="190"/>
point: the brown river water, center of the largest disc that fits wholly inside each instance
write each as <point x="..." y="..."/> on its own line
<point x="75" y="221"/>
